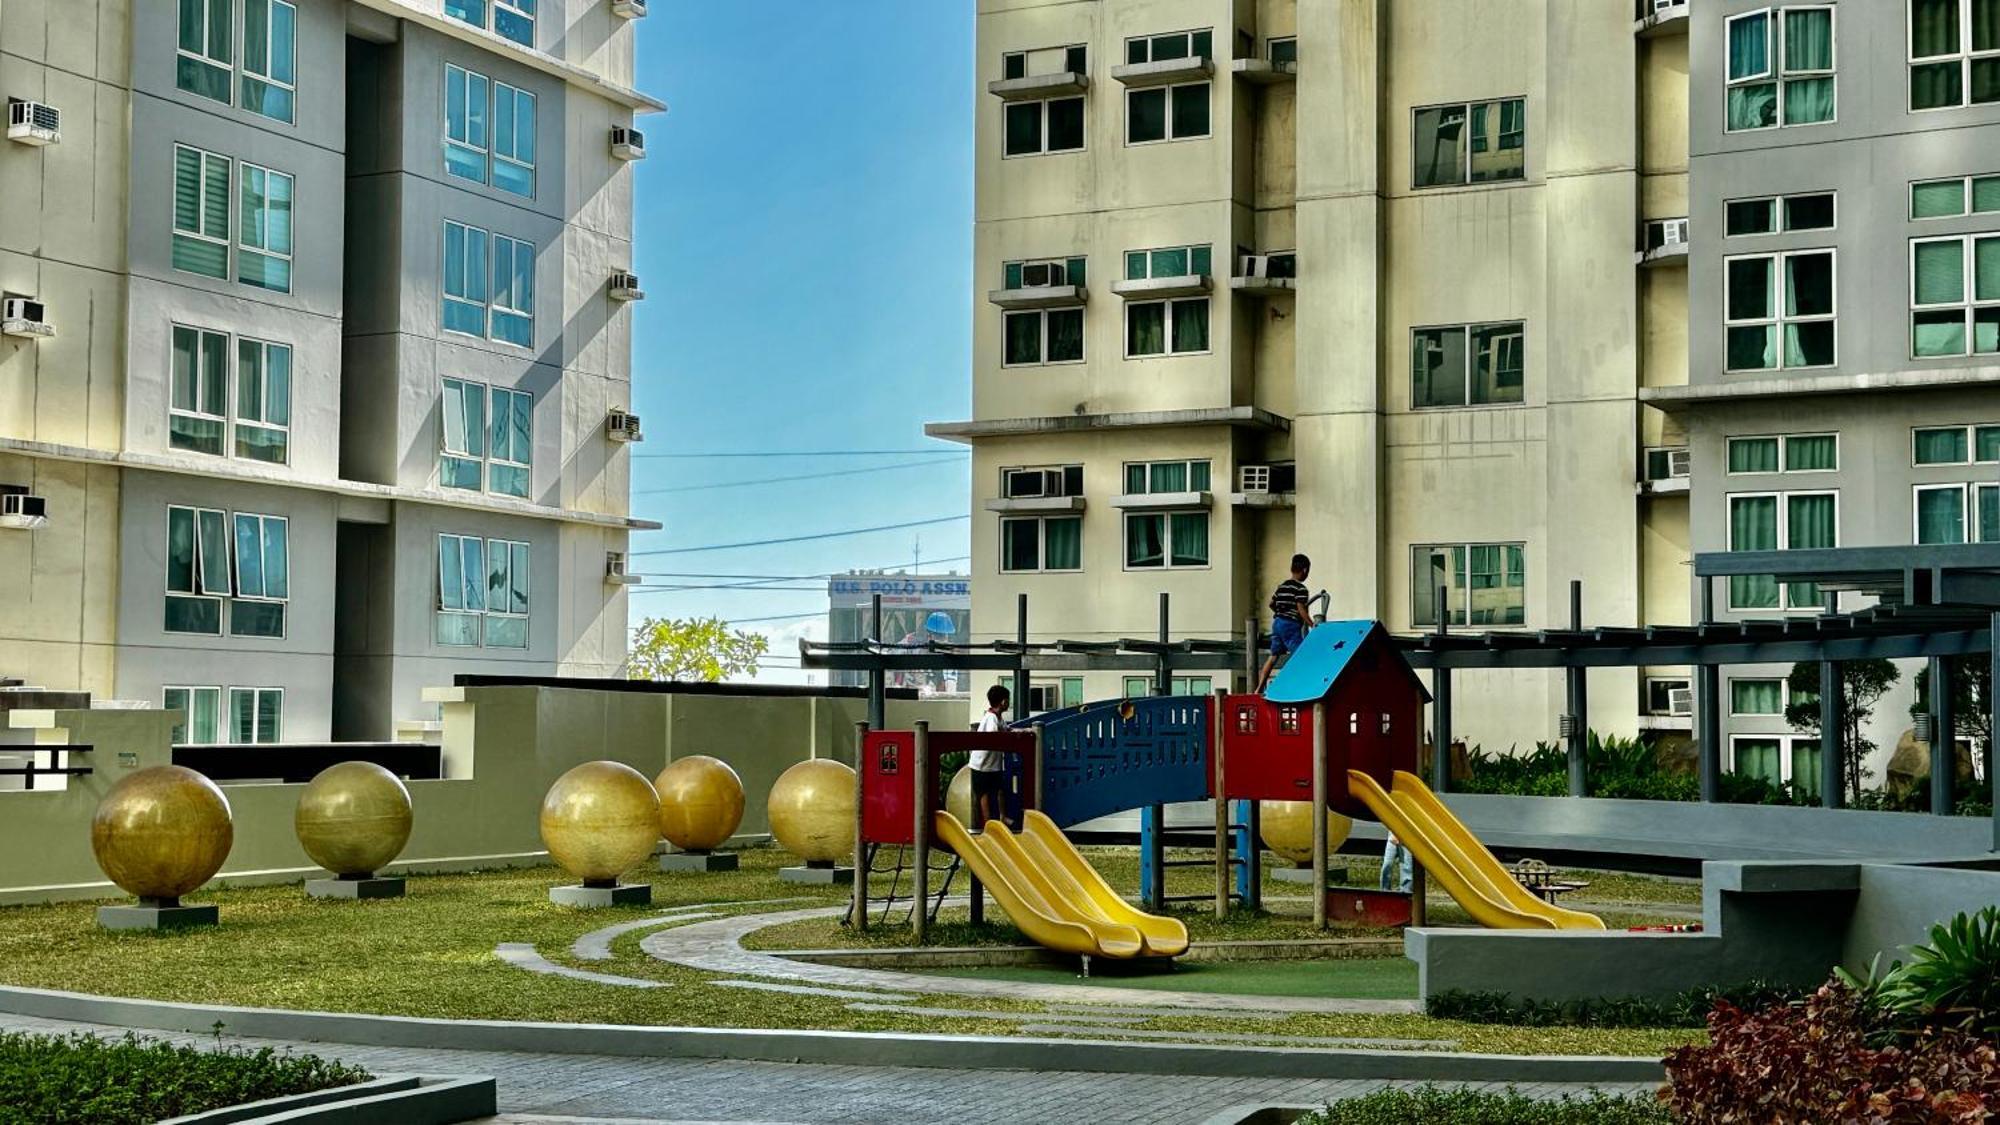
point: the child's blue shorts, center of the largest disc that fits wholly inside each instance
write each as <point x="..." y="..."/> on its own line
<point x="1286" y="636"/>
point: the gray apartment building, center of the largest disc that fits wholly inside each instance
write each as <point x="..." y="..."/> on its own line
<point x="317" y="361"/>
<point x="1844" y="295"/>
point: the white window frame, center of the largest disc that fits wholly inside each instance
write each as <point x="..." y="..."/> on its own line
<point x="457" y="544"/>
<point x="1646" y="692"/>
<point x="494" y="395"/>
<point x="1042" y="316"/>
<point x="512" y="306"/>
<point x="237" y="420"/>
<point x="244" y="247"/>
<point x="1271" y="45"/>
<point x="1187" y="463"/>
<point x="1784" y="697"/>
<point x="1778" y="319"/>
<point x="265" y="598"/>
<point x="1168" y="92"/>
<point x="203" y="336"/>
<point x="226" y="240"/>
<point x="1967" y="189"/>
<point x="203" y="57"/>
<point x="482" y="149"/>
<point x="1784" y="454"/>
<point x="221" y="718"/>
<point x="1470" y="359"/>
<point x="485" y="610"/>
<point x="1041" y="545"/>
<point x="1969" y="500"/>
<point x="1008" y="471"/>
<point x="1780" y="221"/>
<point x="464" y="453"/>
<point x="1968" y="303"/>
<point x="1125" y="263"/>
<point x="1188" y="34"/>
<point x="1784" y="742"/>
<point x="256" y="695"/>
<point x="1460" y="610"/>
<point x="227" y="590"/>
<point x="527" y="13"/>
<point x="1971" y="432"/>
<point x="1167" y="552"/>
<point x="1042" y="106"/>
<point x="265" y="76"/>
<point x="1774" y="71"/>
<point x="483" y="275"/>
<point x="1964" y="56"/>
<point x="1782" y="499"/>
<point x="1465" y="180"/>
<point x="518" y="95"/>
<point x="1171" y="314"/>
<point x="527" y="594"/>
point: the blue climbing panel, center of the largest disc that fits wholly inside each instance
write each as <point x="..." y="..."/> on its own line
<point x="1111" y="757"/>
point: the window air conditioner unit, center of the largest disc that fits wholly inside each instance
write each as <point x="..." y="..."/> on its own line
<point x="625" y="287"/>
<point x="1680" y="701"/>
<point x="1270" y="266"/>
<point x="623" y="426"/>
<point x="614" y="570"/>
<point x="627" y="143"/>
<point x="1660" y="6"/>
<point x="630" y="9"/>
<point x="1253" y="479"/>
<point x="23" y="511"/>
<point x="25" y="316"/>
<point x="33" y="123"/>
<point x="1044" y="275"/>
<point x="1680" y="464"/>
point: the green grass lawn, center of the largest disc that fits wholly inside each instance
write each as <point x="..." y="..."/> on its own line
<point x="431" y="955"/>
<point x="1374" y="978"/>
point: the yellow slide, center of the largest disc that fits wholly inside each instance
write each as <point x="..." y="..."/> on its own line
<point x="1046" y="902"/>
<point x="1055" y="855"/>
<point x="1450" y="854"/>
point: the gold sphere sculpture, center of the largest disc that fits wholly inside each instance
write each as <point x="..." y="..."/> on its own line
<point x="1287" y="829"/>
<point x="701" y="802"/>
<point x="600" y="820"/>
<point x="353" y="818"/>
<point x="161" y="832"/>
<point x="812" y="811"/>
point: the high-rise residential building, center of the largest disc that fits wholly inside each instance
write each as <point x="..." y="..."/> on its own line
<point x="317" y="351"/>
<point x="1376" y="281"/>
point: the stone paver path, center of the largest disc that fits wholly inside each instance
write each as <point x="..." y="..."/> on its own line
<point x="584" y="1088"/>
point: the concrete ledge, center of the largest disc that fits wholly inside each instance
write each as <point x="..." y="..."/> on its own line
<point x="841" y="1048"/>
<point x="1243" y="417"/>
<point x="405" y="1099"/>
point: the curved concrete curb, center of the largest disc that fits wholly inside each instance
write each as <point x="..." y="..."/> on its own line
<point x="414" y="1099"/>
<point x="839" y="1048"/>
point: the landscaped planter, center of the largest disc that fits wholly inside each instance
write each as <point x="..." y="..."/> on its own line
<point x="411" y="1099"/>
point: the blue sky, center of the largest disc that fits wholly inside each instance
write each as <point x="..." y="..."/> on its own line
<point x="804" y="225"/>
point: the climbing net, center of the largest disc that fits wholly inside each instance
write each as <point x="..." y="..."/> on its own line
<point x="948" y="868"/>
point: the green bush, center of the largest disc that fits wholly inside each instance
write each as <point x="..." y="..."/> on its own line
<point x="1623" y="768"/>
<point x="1431" y="1105"/>
<point x="1689" y="1009"/>
<point x="83" y="1080"/>
<point x="1952" y="982"/>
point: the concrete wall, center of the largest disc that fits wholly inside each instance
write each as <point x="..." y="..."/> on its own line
<point x="503" y="747"/>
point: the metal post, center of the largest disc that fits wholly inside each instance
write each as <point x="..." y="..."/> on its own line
<point x="1319" y="795"/>
<point x="1249" y="868"/>
<point x="1832" y="729"/>
<point x="1579" y="702"/>
<point x="920" y="878"/>
<point x="1219" y="797"/>
<point x="1153" y="819"/>
<point x="1707" y="706"/>
<point x="858" y="911"/>
<point x="1251" y="665"/>
<point x="878" y="696"/>
<point x="1032" y="779"/>
<point x="1163" y="682"/>
<point x="1944" y="743"/>
<point x="1441" y="702"/>
<point x="1419" y="893"/>
<point x="1993" y="721"/>
<point x="1021" y="663"/>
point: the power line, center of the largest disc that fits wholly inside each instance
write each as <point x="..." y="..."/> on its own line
<point x="677" y="574"/>
<point x="810" y="453"/>
<point x="799" y="538"/>
<point x="785" y="479"/>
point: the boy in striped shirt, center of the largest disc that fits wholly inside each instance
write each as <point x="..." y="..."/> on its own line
<point x="1290" y="618"/>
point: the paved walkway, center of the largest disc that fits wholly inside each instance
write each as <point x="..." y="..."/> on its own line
<point x="548" y="1089"/>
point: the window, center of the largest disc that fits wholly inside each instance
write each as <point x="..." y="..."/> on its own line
<point x="1484" y="583"/>
<point x="470" y="305"/>
<point x="1470" y="143"/>
<point x="465" y="293"/>
<point x="202" y="723"/>
<point x="197" y="410"/>
<point x="1055" y="695"/>
<point x="204" y="53"/>
<point x="1044" y="336"/>
<point x="1797" y="453"/>
<point x="270" y="50"/>
<point x="476" y="453"/>
<point x="1075" y="59"/>
<point x="1660" y="694"/>
<point x="1757" y="697"/>
<point x="1166" y="540"/>
<point x="201" y="212"/>
<point x="1171" y="261"/>
<point x="1166" y="113"/>
<point x="1138" y="686"/>
<point x="513" y="291"/>
<point x="215" y="556"/>
<point x="256" y="715"/>
<point x="1780" y="521"/>
<point x="512" y="444"/>
<point x="482" y="592"/>
<point x="1144" y="478"/>
<point x="1955" y="296"/>
<point x="265" y="257"/>
<point x="1771" y="214"/>
<point x="1954" y="53"/>
<point x="1957" y="513"/>
<point x="1037" y="483"/>
<point x="1761" y="758"/>
<point x="1780" y="68"/>
<point x="1285" y="51"/>
<point x="1947" y="199"/>
<point x="1158" y="328"/>
<point x="1043" y="127"/>
<point x="1199" y="44"/>
<point x="1045" y="543"/>
<point x="1467" y="365"/>
<point x="462" y="456"/>
<point x="1757" y="321"/>
<point x="263" y="401"/>
<point x="489" y="131"/>
<point x="512" y="19"/>
<point x="1957" y="445"/>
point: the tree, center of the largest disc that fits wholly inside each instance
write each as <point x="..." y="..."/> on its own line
<point x="696" y="650"/>
<point x="1863" y="683"/>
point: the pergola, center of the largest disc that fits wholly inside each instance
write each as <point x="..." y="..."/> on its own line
<point x="1930" y="602"/>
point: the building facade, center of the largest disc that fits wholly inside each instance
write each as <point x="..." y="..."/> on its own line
<point x="1361" y="279"/>
<point x="339" y="300"/>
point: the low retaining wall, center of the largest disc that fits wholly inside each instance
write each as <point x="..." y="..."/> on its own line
<point x="412" y="1099"/>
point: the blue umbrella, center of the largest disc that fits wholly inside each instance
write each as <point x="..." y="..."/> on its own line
<point x="940" y="622"/>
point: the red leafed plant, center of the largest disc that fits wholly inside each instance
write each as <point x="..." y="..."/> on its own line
<point x="1811" y="1064"/>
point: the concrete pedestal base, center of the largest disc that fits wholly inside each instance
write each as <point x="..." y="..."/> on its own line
<point x="701" y="862"/>
<point x="374" y="886"/>
<point x="624" y="894"/>
<point x="155" y="917"/>
<point x="1335" y="877"/>
<point x="823" y="876"/>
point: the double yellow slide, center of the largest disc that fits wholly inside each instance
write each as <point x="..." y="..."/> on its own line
<point x="1451" y="855"/>
<point x="1054" y="895"/>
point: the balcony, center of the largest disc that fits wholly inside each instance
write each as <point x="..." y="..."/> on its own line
<point x="1657" y="18"/>
<point x="1164" y="72"/>
<point x="1035" y="87"/>
<point x="1663" y="242"/>
<point x="1265" y="72"/>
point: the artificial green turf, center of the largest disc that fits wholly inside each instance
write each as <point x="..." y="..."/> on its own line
<point x="1373" y="978"/>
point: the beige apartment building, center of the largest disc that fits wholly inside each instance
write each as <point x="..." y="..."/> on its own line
<point x="1376" y="281"/>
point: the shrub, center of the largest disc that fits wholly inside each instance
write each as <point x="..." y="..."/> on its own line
<point x="78" y="1079"/>
<point x="1431" y="1105"/>
<point x="1952" y="983"/>
<point x="1687" y="1010"/>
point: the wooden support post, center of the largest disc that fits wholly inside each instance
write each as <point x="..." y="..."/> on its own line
<point x="858" y="911"/>
<point x="1218" y="741"/>
<point x="1419" y="910"/>
<point x="920" y="878"/>
<point x="1319" y="795"/>
<point x="1944" y="740"/>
